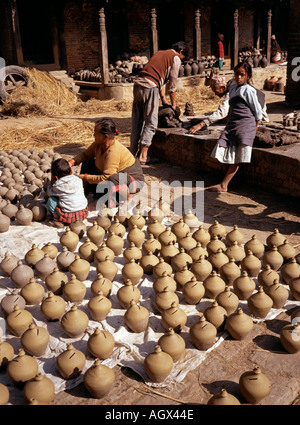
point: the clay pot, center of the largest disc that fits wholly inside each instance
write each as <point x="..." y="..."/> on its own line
<point x="180" y="260"/>
<point x="103" y="252"/>
<point x="193" y="291"/>
<point x="244" y="286"/>
<point x="65" y="258"/>
<point x="158" y="365"/>
<point x="4" y="395"/>
<point x="239" y="324"/>
<point x="180" y="229"/>
<point x="101" y="344"/>
<point x="33" y="255"/>
<point x="290" y="271"/>
<point x="255" y="246"/>
<point x="70" y="362"/>
<point x="169" y="251"/>
<point x="267" y="276"/>
<point x="101" y="284"/>
<point x="214" y="244"/>
<point x="295" y="287"/>
<point x="50" y="249"/>
<point x="18" y="321"/>
<point x="251" y="264"/>
<point x="228" y="300"/>
<point x="136" y="220"/>
<point x="116" y="243"/>
<point x="223" y="398"/>
<point x="132" y="271"/>
<point x="6" y="354"/>
<point x="217" y="229"/>
<point x="273" y="258"/>
<point x="55" y="281"/>
<point x="287" y="251"/>
<point x="39" y="211"/>
<point x="234" y="235"/>
<point x="187" y="242"/>
<point x="161" y="267"/>
<point x="149" y="261"/>
<point x="87" y="250"/>
<point x="74" y="290"/>
<point x="203" y="334"/>
<point x="123" y="216"/>
<point x="198" y="250"/>
<point x="117" y="228"/>
<point x="173" y="317"/>
<point x="218" y="259"/>
<point x="40" y="388"/>
<point x="33" y="292"/>
<point x="128" y="293"/>
<point x="136" y="317"/>
<point x="8" y="263"/>
<point x="164" y="300"/>
<point x="295" y="315"/>
<point x="230" y="271"/>
<point x="167" y="236"/>
<point x="173" y="344"/>
<point x="98" y="379"/>
<point x="132" y="252"/>
<point x="260" y="303"/>
<point x="78" y="227"/>
<point x="69" y="239"/>
<point x="182" y="277"/>
<point x="9" y="301"/>
<point x="151" y="244"/>
<point x="74" y="322"/>
<point x="53" y="307"/>
<point x="99" y="307"/>
<point x="24" y="216"/>
<point x="290" y="337"/>
<point x="213" y="285"/>
<point x="45" y="266"/>
<point x="278" y="293"/>
<point x="235" y="251"/>
<point x="155" y="228"/>
<point x="156" y="214"/>
<point x="80" y="267"/>
<point x="22" y="368"/>
<point x="191" y="220"/>
<point x="10" y="210"/>
<point x="136" y="236"/>
<point x="164" y="281"/>
<point x="254" y="385"/>
<point x="21" y="274"/>
<point x="216" y="315"/>
<point x="35" y="340"/>
<point x="96" y="234"/>
<point x="275" y="239"/>
<point x="201" y="268"/>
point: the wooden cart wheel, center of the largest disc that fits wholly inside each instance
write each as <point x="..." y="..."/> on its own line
<point x="13" y="77"/>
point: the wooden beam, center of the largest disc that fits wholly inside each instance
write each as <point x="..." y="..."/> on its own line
<point x="269" y="36"/>
<point x="236" y="37"/>
<point x="103" y="48"/>
<point x="197" y="34"/>
<point x="154" y="36"/>
<point x="17" y="34"/>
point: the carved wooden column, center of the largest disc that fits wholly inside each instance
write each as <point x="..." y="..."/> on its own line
<point x="236" y="37"/>
<point x="16" y="32"/>
<point x="269" y="36"/>
<point x="103" y="47"/>
<point x="197" y="34"/>
<point x="154" y="37"/>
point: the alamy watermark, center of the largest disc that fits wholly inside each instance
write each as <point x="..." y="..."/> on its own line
<point x="2" y="69"/>
<point x="296" y="72"/>
<point x="2" y="329"/>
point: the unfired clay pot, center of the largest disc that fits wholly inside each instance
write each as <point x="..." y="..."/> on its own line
<point x="53" y="307"/>
<point x="128" y="293"/>
<point x="180" y="260"/>
<point x="239" y="324"/>
<point x="6" y="353"/>
<point x="156" y="214"/>
<point x="201" y="235"/>
<point x="116" y="243"/>
<point x="22" y="368"/>
<point x="98" y="379"/>
<point x="273" y="258"/>
<point x="107" y="268"/>
<point x="214" y="244"/>
<point x="70" y="362"/>
<point x="24" y="216"/>
<point x="191" y="220"/>
<point x="50" y="249"/>
<point x="65" y="258"/>
<point x="295" y="288"/>
<point x="223" y="398"/>
<point x="33" y="292"/>
<point x="4" y="395"/>
<point x="8" y="263"/>
<point x="158" y="365"/>
<point x="102" y="252"/>
<point x="164" y="300"/>
<point x="275" y="239"/>
<point x="255" y="246"/>
<point x="251" y="264"/>
<point x="267" y="276"/>
<point x="228" y="300"/>
<point x="33" y="255"/>
<point x="35" y="340"/>
<point x="234" y="235"/>
<point x="193" y="291"/>
<point x="151" y="244"/>
<point x="290" y="337"/>
<point x="182" y="277"/>
<point x="161" y="267"/>
<point x="166" y="236"/>
<point x="101" y="284"/>
<point x="21" y="274"/>
<point x="78" y="227"/>
<point x="96" y="233"/>
<point x="278" y="293"/>
<point x="45" y="266"/>
<point x="286" y="250"/>
<point x="132" y="252"/>
<point x="217" y="229"/>
<point x="87" y="250"/>
<point x="80" y="268"/>
<point x="213" y="285"/>
<point x="201" y="268"/>
<point x="39" y="388"/>
<point x="99" y="307"/>
<point x="187" y="242"/>
<point x="235" y="251"/>
<point x="148" y="261"/>
<point x="169" y="251"/>
<point x="132" y="271"/>
<point x="180" y="229"/>
<point x="136" y="220"/>
<point x="155" y="229"/>
<point x="173" y="344"/>
<point x="136" y="236"/>
<point x="104" y="222"/>
<point x="254" y="385"/>
<point x="18" y="321"/>
<point x="244" y="286"/>
<point x="174" y="317"/>
<point x="69" y="239"/>
<point x="290" y="270"/>
<point x="74" y="322"/>
<point x="218" y="259"/>
<point x="74" y="290"/>
<point x="9" y="301"/>
<point x="198" y="250"/>
<point x="164" y="281"/>
<point x="101" y="344"/>
<point x="55" y="281"/>
<point x="118" y="228"/>
<point x="136" y="317"/>
<point x="216" y="315"/>
<point x="229" y="271"/>
<point x="203" y="334"/>
<point x="260" y="303"/>
<point x="122" y="215"/>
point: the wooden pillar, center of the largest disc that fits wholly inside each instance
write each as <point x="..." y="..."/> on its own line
<point x="236" y="37"/>
<point x="154" y="37"/>
<point x="103" y="48"/>
<point x="258" y="30"/>
<point x="269" y="36"/>
<point x="197" y="34"/>
<point x="16" y="32"/>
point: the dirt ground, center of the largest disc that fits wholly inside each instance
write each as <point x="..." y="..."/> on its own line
<point x="255" y="211"/>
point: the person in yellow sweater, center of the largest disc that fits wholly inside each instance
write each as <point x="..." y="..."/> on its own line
<point x="107" y="166"/>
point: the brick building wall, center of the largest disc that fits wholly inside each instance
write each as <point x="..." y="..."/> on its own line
<point x="293" y="71"/>
<point x="138" y="18"/>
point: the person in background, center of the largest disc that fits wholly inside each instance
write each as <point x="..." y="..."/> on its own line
<point x="220" y="52"/>
<point x="236" y="141"/>
<point x="157" y="78"/>
<point x="108" y="166"/>
<point x="275" y="50"/>
<point x="221" y="88"/>
<point x="66" y="201"/>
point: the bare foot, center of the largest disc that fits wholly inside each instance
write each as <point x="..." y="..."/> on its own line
<point x="54" y="223"/>
<point x="216" y="188"/>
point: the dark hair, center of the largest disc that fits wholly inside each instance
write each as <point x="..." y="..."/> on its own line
<point x="60" y="168"/>
<point x="106" y="126"/>
<point x="220" y="36"/>
<point x="247" y="67"/>
<point x="181" y="45"/>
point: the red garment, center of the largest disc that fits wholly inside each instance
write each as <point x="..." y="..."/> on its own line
<point x="220" y="49"/>
<point x="71" y="217"/>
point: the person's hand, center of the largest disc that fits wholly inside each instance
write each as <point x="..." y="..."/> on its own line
<point x="82" y="176"/>
<point x="197" y="127"/>
<point x="71" y="162"/>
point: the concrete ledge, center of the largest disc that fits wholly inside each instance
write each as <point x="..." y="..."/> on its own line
<point x="275" y="169"/>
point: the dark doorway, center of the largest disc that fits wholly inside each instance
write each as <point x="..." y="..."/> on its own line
<point x="117" y="30"/>
<point x="170" y="22"/>
<point x="222" y="22"/>
<point x="36" y="33"/>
